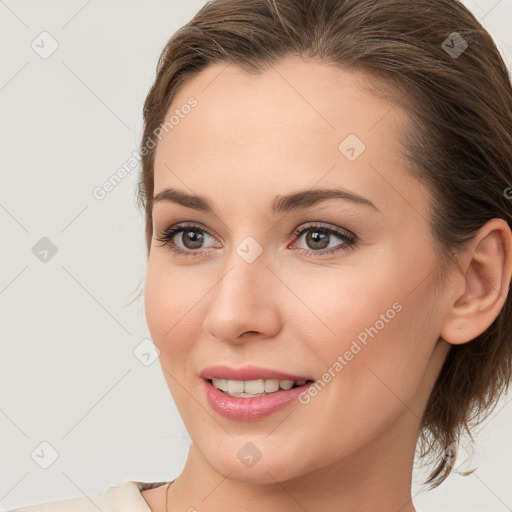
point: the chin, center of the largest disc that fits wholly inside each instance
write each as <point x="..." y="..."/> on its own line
<point x="245" y="463"/>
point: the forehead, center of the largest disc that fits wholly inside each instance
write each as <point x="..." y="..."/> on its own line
<point x="284" y="126"/>
<point x="296" y="98"/>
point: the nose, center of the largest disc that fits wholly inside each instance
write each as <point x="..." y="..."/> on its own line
<point x="244" y="304"/>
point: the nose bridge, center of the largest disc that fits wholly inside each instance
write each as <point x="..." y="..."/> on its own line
<point x="245" y="267"/>
<point x="241" y="301"/>
<point x="241" y="283"/>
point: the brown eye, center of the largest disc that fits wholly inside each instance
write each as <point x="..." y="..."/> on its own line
<point x="318" y="239"/>
<point x="192" y="239"/>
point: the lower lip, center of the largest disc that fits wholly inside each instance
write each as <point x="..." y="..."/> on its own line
<point x="248" y="409"/>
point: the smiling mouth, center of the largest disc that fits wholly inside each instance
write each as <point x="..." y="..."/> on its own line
<point x="255" y="388"/>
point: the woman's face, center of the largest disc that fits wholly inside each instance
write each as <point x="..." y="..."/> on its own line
<point x="337" y="291"/>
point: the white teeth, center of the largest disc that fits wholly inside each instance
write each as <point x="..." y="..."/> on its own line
<point x="271" y="385"/>
<point x="253" y="387"/>
<point x="235" y="386"/>
<point x="286" y="384"/>
<point x="220" y="384"/>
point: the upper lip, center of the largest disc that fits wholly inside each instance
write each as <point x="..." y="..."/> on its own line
<point x="247" y="373"/>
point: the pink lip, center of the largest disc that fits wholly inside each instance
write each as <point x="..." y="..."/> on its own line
<point x="248" y="409"/>
<point x="247" y="373"/>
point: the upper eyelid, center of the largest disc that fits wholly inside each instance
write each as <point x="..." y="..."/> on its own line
<point x="298" y="231"/>
<point x="325" y="225"/>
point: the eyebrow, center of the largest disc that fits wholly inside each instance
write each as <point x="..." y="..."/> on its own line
<point x="282" y="203"/>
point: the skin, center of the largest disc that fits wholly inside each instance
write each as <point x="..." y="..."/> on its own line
<point x="250" y="139"/>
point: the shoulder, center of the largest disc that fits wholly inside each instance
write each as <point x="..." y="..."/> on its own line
<point x="113" y="499"/>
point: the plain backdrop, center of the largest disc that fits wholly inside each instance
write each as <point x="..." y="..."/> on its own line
<point x="81" y="409"/>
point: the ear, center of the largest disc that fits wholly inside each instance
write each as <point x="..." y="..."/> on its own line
<point x="486" y="273"/>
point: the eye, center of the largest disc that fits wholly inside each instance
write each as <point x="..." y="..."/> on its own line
<point x="192" y="237"/>
<point x="319" y="237"/>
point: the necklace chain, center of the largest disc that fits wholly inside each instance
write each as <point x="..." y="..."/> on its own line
<point x="167" y="495"/>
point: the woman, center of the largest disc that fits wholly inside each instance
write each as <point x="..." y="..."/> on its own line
<point x="306" y="376"/>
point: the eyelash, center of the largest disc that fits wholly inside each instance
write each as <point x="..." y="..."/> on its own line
<point x="168" y="234"/>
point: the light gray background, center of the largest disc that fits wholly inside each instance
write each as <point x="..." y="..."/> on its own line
<point x="69" y="374"/>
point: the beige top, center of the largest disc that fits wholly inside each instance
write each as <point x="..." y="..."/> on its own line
<point x="125" y="497"/>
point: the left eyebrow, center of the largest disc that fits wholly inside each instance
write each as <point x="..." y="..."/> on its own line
<point x="282" y="203"/>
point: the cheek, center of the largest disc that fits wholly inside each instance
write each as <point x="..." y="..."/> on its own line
<point x="172" y="301"/>
<point x="367" y="332"/>
<point x="372" y="370"/>
<point x="343" y="304"/>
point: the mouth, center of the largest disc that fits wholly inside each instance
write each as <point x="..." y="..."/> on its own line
<point x="251" y="400"/>
<point x="255" y="388"/>
<point x="251" y="392"/>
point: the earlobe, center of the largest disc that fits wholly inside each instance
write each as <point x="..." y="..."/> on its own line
<point x="488" y="269"/>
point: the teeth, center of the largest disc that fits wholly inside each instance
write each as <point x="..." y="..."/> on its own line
<point x="286" y="384"/>
<point x="271" y="385"/>
<point x="254" y="387"/>
<point x="235" y="386"/>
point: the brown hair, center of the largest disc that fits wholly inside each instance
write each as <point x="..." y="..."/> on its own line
<point x="460" y="144"/>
